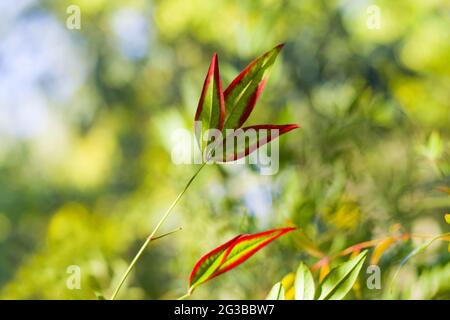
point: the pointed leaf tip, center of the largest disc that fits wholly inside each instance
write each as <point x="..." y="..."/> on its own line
<point x="211" y="106"/>
<point x="304" y="283"/>
<point x="244" y="91"/>
<point x="341" y="279"/>
<point x="277" y="292"/>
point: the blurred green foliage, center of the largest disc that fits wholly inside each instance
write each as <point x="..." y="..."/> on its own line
<point x="373" y="104"/>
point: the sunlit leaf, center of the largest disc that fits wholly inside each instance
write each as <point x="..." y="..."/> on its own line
<point x="231" y="254"/>
<point x="357" y="289"/>
<point x="243" y="92"/>
<point x="288" y="280"/>
<point x="304" y="283"/>
<point x="221" y="112"/>
<point x="211" y="106"/>
<point x="340" y="280"/>
<point x="447" y="218"/>
<point x="276" y="293"/>
<point x="205" y="268"/>
<point x="290" y="294"/>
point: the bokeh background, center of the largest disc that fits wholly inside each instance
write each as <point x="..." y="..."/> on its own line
<point x="86" y="118"/>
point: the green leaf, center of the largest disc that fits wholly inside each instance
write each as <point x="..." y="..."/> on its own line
<point x="341" y="279"/>
<point x="444" y="189"/>
<point x="304" y="283"/>
<point x="211" y="106"/>
<point x="231" y="254"/>
<point x="276" y="293"/>
<point x="243" y="92"/>
<point x="447" y="218"/>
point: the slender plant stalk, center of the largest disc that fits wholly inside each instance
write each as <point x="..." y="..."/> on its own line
<point x="184" y="297"/>
<point x="151" y="236"/>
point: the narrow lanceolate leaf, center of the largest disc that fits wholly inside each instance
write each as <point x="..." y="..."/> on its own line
<point x="341" y="279"/>
<point x="211" y="106"/>
<point x="380" y="249"/>
<point x="231" y="254"/>
<point x="304" y="283"/>
<point x="243" y="141"/>
<point x="243" y="92"/>
<point x="418" y="250"/>
<point x="276" y="293"/>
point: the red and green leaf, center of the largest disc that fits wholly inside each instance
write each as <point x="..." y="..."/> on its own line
<point x="231" y="254"/>
<point x="211" y="106"/>
<point x="243" y="141"/>
<point x="243" y="92"/>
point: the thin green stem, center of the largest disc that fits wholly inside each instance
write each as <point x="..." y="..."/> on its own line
<point x="151" y="236"/>
<point x="184" y="297"/>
